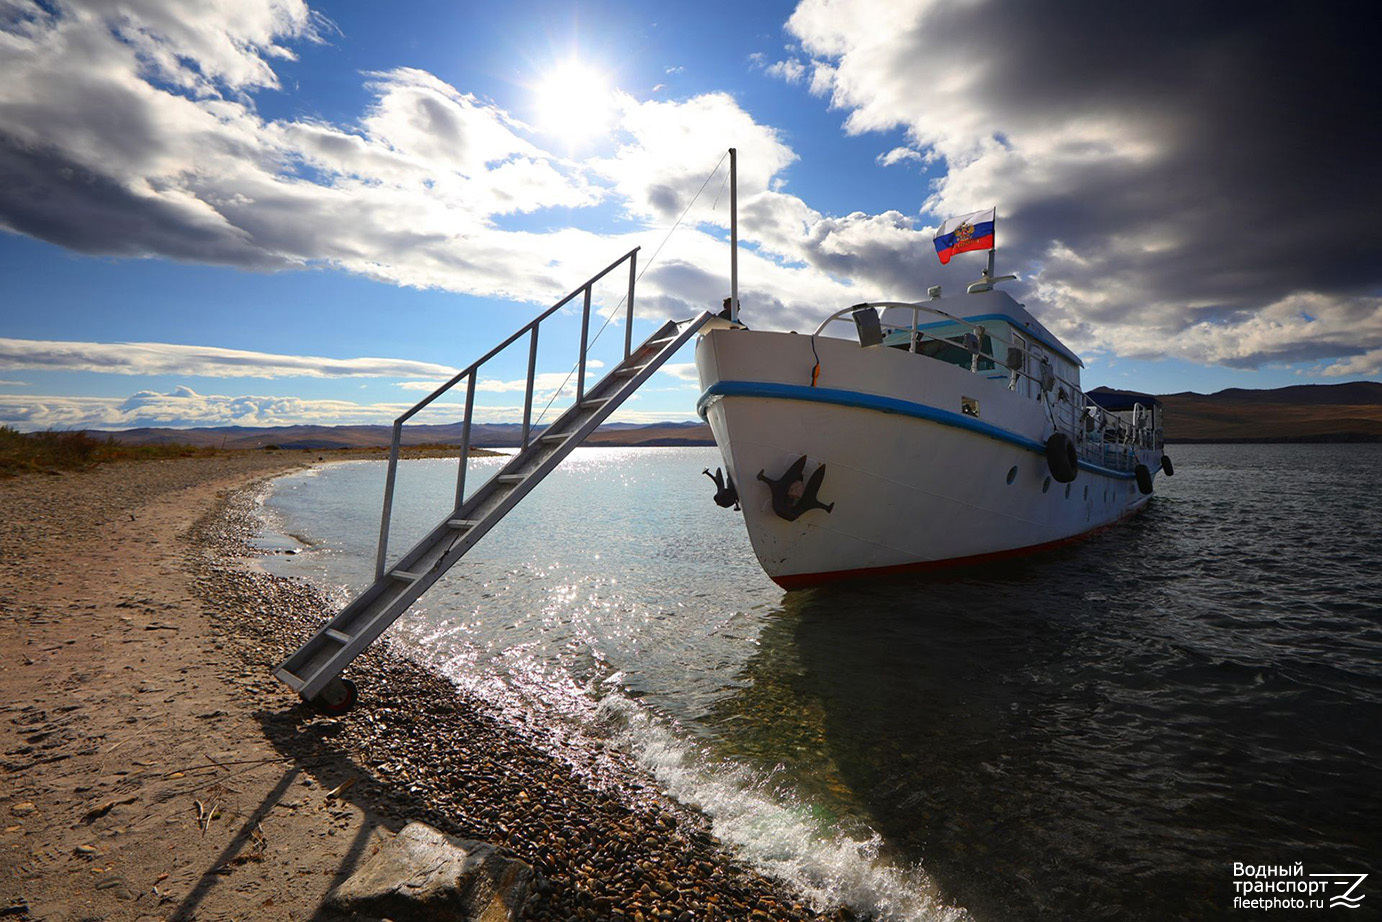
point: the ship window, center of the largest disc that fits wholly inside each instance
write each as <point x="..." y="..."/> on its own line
<point x="1046" y="485"/>
<point x="1012" y="474"/>
<point x="1067" y="491"/>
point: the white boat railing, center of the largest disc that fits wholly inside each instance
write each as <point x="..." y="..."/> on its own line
<point x="1094" y="445"/>
<point x="1073" y="391"/>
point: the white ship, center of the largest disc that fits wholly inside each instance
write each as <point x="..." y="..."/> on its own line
<point x="951" y="431"/>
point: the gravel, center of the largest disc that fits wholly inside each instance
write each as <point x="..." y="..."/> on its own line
<point x="607" y="846"/>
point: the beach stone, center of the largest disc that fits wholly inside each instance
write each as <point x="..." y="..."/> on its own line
<point x="424" y="874"/>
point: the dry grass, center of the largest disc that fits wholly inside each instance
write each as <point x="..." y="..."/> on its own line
<point x="74" y="451"/>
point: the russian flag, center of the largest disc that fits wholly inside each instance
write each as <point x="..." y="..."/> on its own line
<point x="965" y="233"/>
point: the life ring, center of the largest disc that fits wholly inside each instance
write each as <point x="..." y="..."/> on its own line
<point x="1062" y="458"/>
<point x="1144" y="478"/>
<point x="1166" y="467"/>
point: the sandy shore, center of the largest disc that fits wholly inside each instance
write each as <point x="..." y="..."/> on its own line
<point x="153" y="769"/>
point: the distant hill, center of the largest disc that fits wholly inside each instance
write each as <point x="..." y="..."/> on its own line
<point x="1305" y="413"/>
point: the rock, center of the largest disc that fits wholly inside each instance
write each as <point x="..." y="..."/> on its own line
<point x="422" y="872"/>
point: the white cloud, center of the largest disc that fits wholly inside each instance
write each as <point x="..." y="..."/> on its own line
<point x="1112" y="139"/>
<point x="135" y="148"/>
<point x="682" y="371"/>
<point x="899" y="155"/>
<point x="129" y="128"/>
<point x="673" y="146"/>
<point x="790" y="70"/>
<point x="183" y="407"/>
<point x="203" y="361"/>
<point x="1367" y="365"/>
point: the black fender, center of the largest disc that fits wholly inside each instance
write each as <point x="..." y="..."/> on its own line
<point x="1144" y="478"/>
<point x="1062" y="458"/>
<point x="1166" y="467"/>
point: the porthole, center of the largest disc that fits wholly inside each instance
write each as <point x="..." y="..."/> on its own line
<point x="1046" y="485"/>
<point x="1012" y="474"/>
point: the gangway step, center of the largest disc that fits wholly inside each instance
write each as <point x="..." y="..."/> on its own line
<point x="511" y="478"/>
<point x="404" y="576"/>
<point x="462" y="523"/>
<point x="552" y="437"/>
<point x="338" y="636"/>
<point x="594" y="402"/>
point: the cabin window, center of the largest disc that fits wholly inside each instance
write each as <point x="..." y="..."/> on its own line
<point x="946" y="343"/>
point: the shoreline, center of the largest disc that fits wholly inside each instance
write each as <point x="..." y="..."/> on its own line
<point x="246" y="823"/>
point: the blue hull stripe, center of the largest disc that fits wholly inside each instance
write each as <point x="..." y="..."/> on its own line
<point x="842" y="398"/>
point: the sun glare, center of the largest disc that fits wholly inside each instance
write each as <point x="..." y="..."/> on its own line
<point x="574" y="102"/>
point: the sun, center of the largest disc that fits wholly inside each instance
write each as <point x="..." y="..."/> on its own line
<point x="574" y="102"/>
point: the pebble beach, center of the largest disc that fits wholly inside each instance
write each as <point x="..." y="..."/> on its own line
<point x="154" y="769"/>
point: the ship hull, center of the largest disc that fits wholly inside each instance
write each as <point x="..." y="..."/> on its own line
<point x="927" y="465"/>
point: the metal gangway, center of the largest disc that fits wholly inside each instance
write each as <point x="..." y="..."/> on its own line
<point x="314" y="671"/>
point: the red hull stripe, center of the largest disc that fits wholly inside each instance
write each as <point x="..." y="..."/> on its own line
<point x="807" y="580"/>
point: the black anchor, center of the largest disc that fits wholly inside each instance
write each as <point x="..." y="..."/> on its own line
<point x="725" y="493"/>
<point x="782" y="501"/>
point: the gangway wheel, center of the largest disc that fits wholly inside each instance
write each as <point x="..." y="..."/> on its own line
<point x="338" y="697"/>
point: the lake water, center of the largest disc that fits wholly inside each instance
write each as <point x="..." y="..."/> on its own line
<point x="1098" y="732"/>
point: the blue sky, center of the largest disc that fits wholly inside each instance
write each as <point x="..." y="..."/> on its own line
<point x="270" y="213"/>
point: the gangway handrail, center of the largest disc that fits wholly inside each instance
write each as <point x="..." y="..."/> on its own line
<point x="631" y="255"/>
<point x="469" y="374"/>
<point x="314" y="671"/>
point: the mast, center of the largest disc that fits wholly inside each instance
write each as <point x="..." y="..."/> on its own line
<point x="733" y="236"/>
<point x="986" y="276"/>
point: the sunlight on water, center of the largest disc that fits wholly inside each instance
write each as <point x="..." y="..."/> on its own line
<point x="1093" y="733"/>
<point x="617" y="602"/>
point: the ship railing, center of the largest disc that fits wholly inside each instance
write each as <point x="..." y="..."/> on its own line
<point x="1111" y="441"/>
<point x="1028" y="358"/>
<point x="470" y="375"/>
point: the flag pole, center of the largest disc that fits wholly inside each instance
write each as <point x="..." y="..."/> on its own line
<point x="733" y="236"/>
<point x="993" y="250"/>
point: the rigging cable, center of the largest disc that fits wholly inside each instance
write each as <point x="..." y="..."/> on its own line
<point x="646" y="266"/>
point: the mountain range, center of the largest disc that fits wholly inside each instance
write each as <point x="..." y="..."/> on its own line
<point x="1303" y="413"/>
